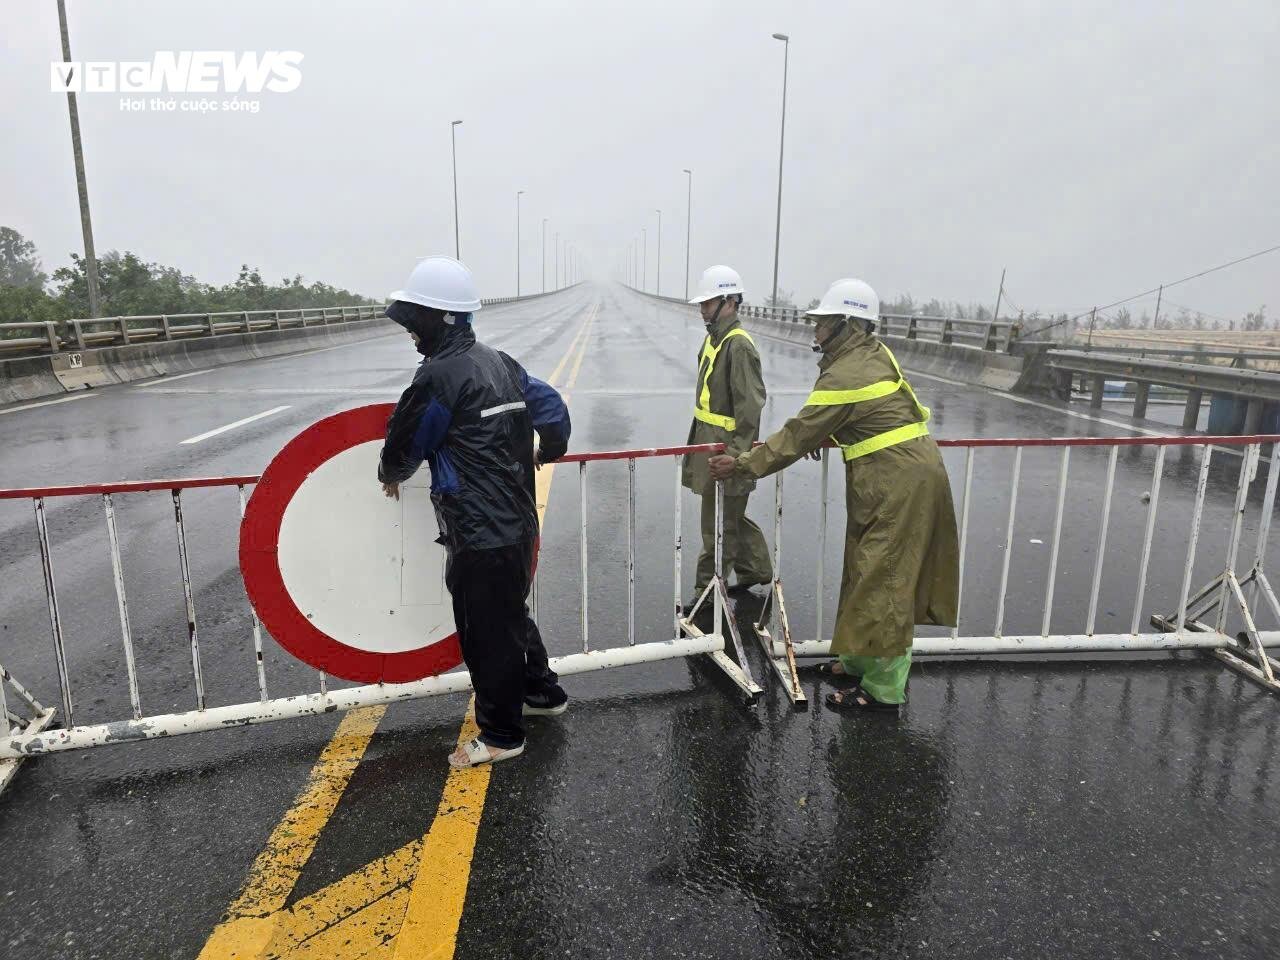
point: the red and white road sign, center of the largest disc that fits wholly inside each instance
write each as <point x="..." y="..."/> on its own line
<point x="342" y="577"/>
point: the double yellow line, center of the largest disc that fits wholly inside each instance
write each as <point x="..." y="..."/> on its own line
<point x="406" y="904"/>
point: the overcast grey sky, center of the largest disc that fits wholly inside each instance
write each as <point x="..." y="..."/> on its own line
<point x="1095" y="149"/>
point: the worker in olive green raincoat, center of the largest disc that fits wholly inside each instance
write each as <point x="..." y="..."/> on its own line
<point x="901" y="558"/>
<point x="727" y="403"/>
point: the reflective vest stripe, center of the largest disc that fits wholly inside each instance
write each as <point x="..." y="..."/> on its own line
<point x="836" y="398"/>
<point x="883" y="388"/>
<point x="702" y="409"/>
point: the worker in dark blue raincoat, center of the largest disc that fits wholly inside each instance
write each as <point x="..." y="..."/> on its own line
<point x="470" y="414"/>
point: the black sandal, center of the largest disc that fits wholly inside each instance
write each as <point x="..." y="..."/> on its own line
<point x="827" y="672"/>
<point x="857" y="700"/>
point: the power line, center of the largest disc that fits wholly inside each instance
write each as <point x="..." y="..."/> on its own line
<point x="1166" y="286"/>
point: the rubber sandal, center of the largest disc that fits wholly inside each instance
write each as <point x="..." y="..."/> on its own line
<point x="827" y="672"/>
<point x="857" y="700"/>
<point x="478" y="754"/>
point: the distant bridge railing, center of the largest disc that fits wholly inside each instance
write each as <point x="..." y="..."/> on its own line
<point x="40" y="338"/>
<point x="998" y="335"/>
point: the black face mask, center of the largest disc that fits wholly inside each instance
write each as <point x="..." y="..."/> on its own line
<point x="426" y="323"/>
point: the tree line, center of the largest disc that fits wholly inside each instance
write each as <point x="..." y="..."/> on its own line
<point x="131" y="286"/>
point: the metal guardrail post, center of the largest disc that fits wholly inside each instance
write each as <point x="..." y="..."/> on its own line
<point x="210" y="325"/>
<point x="165" y="332"/>
<point x="244" y="317"/>
<point x="78" y="331"/>
<point x="913" y="330"/>
<point x="51" y="334"/>
<point x="946" y="334"/>
<point x="124" y="329"/>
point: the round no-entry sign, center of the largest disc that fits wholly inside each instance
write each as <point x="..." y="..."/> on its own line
<point x="342" y="577"/>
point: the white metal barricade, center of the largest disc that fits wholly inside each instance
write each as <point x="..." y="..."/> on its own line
<point x="1199" y="621"/>
<point x="27" y="732"/>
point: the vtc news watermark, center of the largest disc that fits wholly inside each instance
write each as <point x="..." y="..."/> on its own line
<point x="226" y="81"/>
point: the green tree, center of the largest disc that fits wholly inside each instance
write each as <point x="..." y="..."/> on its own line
<point x="19" y="262"/>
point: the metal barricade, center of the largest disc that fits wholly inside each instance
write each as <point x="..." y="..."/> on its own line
<point x="28" y="734"/>
<point x="1198" y="622"/>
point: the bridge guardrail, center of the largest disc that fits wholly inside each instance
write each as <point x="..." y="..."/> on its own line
<point x="998" y="336"/>
<point x="42" y="338"/>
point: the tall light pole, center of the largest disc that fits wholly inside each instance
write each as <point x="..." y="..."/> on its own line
<point x="644" y="272"/>
<point x="453" y="141"/>
<point x="82" y="186"/>
<point x="782" y="139"/>
<point x="544" y="254"/>
<point x="519" y="194"/>
<point x="557" y="261"/>
<point x="688" y="232"/>
<point x="657" y="287"/>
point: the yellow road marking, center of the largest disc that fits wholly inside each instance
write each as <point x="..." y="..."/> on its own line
<point x="250" y="921"/>
<point x="385" y="906"/>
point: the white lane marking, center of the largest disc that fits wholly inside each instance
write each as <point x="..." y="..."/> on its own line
<point x="176" y="376"/>
<point x="238" y="423"/>
<point x="285" y="391"/>
<point x="488" y="412"/>
<point x="44" y="403"/>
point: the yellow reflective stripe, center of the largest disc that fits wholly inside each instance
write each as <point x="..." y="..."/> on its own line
<point x="702" y="409"/>
<point x="887" y="439"/>
<point x="715" y="419"/>
<point x="835" y="398"/>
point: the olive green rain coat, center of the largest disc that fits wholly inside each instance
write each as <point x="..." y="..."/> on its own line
<point x="730" y="390"/>
<point x="901" y="558"/>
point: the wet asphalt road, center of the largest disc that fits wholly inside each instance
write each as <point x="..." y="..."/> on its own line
<point x="1103" y="808"/>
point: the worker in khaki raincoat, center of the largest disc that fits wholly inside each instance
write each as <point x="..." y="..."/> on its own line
<point x="901" y="559"/>
<point x="727" y="403"/>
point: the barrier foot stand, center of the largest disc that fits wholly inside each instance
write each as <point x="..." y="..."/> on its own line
<point x="739" y="673"/>
<point x="1249" y="659"/>
<point x="11" y="722"/>
<point x="784" y="666"/>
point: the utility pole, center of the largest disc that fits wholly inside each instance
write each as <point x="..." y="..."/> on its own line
<point x="995" y="316"/>
<point x="688" y="232"/>
<point x="782" y="140"/>
<point x="557" y="261"/>
<point x="453" y="141"/>
<point x="1155" y="321"/>
<point x="82" y="186"/>
<point x="544" y="254"/>
<point x="519" y="194"/>
<point x="657" y="287"/>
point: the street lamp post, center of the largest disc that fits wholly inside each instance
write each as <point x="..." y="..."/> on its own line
<point x="688" y="232"/>
<point x="644" y="272"/>
<point x="82" y="186"/>
<point x="453" y="141"/>
<point x="519" y="194"/>
<point x="557" y="261"/>
<point x="657" y="287"/>
<point x="782" y="139"/>
<point x="544" y="254"/>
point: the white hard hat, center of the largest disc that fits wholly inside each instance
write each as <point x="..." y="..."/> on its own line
<point x="848" y="298"/>
<point x="443" y="283"/>
<point x="718" y="281"/>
